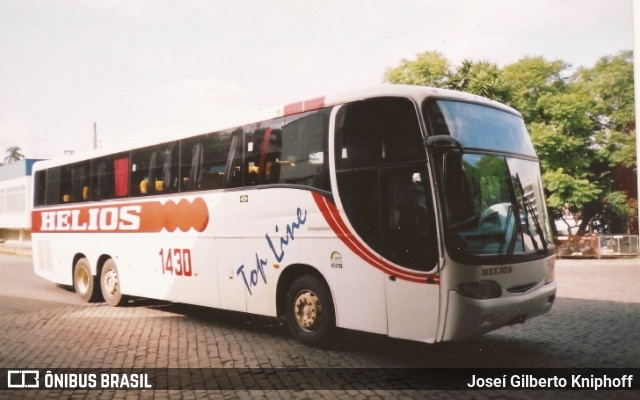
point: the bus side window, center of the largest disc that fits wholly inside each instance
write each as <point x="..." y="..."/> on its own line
<point x="99" y="179"/>
<point x="79" y="181"/>
<point x="380" y="132"/>
<point x="263" y="153"/>
<point x="234" y="174"/>
<point x="216" y="147"/>
<point x="154" y="169"/>
<point x="408" y="221"/>
<point x="66" y="195"/>
<point x="169" y="158"/>
<point x="40" y="188"/>
<point x="304" y="149"/>
<point x="53" y="186"/>
<point x="110" y="177"/>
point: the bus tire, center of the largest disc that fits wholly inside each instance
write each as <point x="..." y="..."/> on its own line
<point x="309" y="311"/>
<point x="84" y="283"/>
<point x="110" y="284"/>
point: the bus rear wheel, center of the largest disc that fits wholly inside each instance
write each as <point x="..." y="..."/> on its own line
<point x="84" y="283"/>
<point x="110" y="284"/>
<point x="310" y="314"/>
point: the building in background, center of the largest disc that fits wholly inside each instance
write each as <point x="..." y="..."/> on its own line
<point x="15" y="205"/>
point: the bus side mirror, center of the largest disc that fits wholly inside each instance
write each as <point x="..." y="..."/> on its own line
<point x="448" y="156"/>
<point x="443" y="143"/>
<point x="453" y="173"/>
<point x="447" y="153"/>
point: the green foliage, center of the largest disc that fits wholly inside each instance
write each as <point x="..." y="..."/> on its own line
<point x="430" y="68"/>
<point x="581" y="122"/>
<point x="482" y="78"/>
<point x="610" y="83"/>
<point x="558" y="150"/>
<point x="531" y="78"/>
<point x="569" y="190"/>
<point x="570" y="111"/>
<point x="617" y="203"/>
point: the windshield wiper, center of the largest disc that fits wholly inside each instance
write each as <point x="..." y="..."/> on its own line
<point x="516" y="230"/>
<point x="527" y="203"/>
<point x="528" y="209"/>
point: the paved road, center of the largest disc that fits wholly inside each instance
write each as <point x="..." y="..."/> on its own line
<point x="594" y="323"/>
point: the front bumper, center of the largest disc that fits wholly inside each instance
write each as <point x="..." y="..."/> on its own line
<point x="467" y="317"/>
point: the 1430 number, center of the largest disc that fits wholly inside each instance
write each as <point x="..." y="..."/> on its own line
<point x="176" y="262"/>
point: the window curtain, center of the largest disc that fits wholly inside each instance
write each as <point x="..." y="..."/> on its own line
<point x="121" y="175"/>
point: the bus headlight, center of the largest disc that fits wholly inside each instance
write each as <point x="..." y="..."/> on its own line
<point x="480" y="290"/>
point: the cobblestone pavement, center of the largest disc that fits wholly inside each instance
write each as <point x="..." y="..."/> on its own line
<point x="585" y="329"/>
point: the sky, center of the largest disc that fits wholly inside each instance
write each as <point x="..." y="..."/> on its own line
<point x="139" y="66"/>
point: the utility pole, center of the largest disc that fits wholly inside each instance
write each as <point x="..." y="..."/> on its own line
<point x="95" y="135"/>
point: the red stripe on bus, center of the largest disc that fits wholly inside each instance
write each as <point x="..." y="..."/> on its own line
<point x="293" y="108"/>
<point x="362" y="250"/>
<point x="314" y="104"/>
<point x="337" y="224"/>
<point x="303" y="106"/>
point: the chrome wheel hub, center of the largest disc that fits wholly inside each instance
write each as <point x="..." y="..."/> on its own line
<point x="111" y="281"/>
<point x="308" y="310"/>
<point x="82" y="280"/>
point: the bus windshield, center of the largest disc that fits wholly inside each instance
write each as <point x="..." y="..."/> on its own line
<point x="494" y="204"/>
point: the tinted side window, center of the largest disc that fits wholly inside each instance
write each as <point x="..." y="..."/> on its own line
<point x="263" y="153"/>
<point x="154" y="170"/>
<point x="304" y="149"/>
<point x="205" y="161"/>
<point x="290" y="150"/>
<point x="39" y="188"/>
<point x="53" y="186"/>
<point x="110" y="177"/>
<point x="74" y="182"/>
<point x="379" y="131"/>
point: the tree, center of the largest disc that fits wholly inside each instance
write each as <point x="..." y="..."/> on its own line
<point x="531" y="78"/>
<point x="583" y="114"/>
<point x="430" y="68"/>
<point x="581" y="122"/>
<point x="482" y="78"/>
<point x="610" y="84"/>
<point x="14" y="154"/>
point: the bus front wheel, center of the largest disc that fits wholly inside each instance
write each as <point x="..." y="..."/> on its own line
<point x="310" y="314"/>
<point x="110" y="284"/>
<point x="84" y="283"/>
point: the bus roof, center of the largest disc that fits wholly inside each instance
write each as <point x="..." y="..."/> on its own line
<point x="228" y="121"/>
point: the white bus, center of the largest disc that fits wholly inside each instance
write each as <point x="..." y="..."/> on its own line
<point x="412" y="212"/>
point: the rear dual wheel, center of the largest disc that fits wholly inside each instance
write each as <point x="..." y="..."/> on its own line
<point x="84" y="283"/>
<point x="110" y="284"/>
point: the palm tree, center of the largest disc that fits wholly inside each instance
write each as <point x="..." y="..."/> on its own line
<point x="13" y="154"/>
